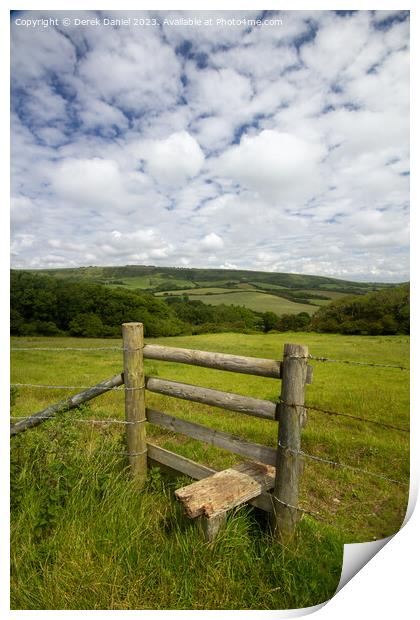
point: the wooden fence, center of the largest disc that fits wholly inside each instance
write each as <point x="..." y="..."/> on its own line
<point x="279" y="493"/>
<point x="289" y="414"/>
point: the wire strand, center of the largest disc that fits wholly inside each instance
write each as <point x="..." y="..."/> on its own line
<point x="345" y="415"/>
<point x="359" y="418"/>
<point x="76" y="387"/>
<point x="87" y="420"/>
<point x="343" y="465"/>
<point x="75" y="349"/>
<point x="356" y="363"/>
<point x="316" y="515"/>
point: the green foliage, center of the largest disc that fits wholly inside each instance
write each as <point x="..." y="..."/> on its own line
<point x="380" y="312"/>
<point x="88" y="325"/>
<point x="293" y="322"/>
<point x="206" y="318"/>
<point x="270" y="320"/>
<point x="42" y="305"/>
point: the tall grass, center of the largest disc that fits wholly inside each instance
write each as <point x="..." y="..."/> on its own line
<point x="82" y="537"/>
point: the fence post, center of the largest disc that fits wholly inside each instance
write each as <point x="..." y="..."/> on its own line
<point x="291" y="416"/>
<point x="135" y="409"/>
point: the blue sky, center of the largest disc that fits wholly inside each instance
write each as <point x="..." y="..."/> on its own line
<point x="282" y="147"/>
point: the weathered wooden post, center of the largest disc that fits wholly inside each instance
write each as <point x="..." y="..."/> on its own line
<point x="291" y="416"/>
<point x="135" y="408"/>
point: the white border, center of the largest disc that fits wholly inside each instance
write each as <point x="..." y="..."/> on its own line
<point x="387" y="586"/>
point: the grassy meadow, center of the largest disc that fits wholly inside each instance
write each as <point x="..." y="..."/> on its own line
<point x="82" y="537"/>
<point x="256" y="300"/>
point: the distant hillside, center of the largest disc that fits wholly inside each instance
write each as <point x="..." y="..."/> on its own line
<point x="94" y="302"/>
<point x="259" y="291"/>
<point x="171" y="278"/>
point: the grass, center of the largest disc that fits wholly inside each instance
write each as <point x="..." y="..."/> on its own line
<point x="82" y="537"/>
<point x="208" y="290"/>
<point x="148" y="282"/>
<point x="259" y="301"/>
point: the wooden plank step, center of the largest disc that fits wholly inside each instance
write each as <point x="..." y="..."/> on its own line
<point x="226" y="489"/>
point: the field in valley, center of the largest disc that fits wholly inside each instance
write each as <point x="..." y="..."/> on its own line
<point x="258" y="301"/>
<point x="82" y="537"/>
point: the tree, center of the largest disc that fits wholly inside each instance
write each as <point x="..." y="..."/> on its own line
<point x="87" y="325"/>
<point x="270" y="320"/>
<point x="386" y="311"/>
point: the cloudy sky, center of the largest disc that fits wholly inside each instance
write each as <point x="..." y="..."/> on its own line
<point x="278" y="147"/>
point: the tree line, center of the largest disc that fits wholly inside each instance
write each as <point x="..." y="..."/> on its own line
<point x="44" y="305"/>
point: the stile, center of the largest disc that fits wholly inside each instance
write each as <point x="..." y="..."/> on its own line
<point x="226" y="489"/>
<point x="216" y="492"/>
<point x="177" y="464"/>
<point x="211" y="498"/>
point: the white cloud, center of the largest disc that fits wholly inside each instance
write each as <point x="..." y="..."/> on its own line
<point x="88" y="181"/>
<point x="97" y="113"/>
<point x="212" y="241"/>
<point x="337" y="43"/>
<point x="279" y="166"/>
<point x="23" y="210"/>
<point x="174" y="159"/>
<point x="119" y="66"/>
<point x="214" y="132"/>
<point x="217" y="91"/>
<point x="207" y="146"/>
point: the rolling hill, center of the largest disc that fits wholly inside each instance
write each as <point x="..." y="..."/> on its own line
<point x="257" y="290"/>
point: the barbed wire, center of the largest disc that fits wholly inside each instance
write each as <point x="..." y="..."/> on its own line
<point x="346" y="415"/>
<point x="87" y="420"/>
<point x="75" y="349"/>
<point x="359" y="418"/>
<point x="356" y="363"/>
<point x="76" y="387"/>
<point x="295" y="405"/>
<point x="311" y="357"/>
<point x="343" y="465"/>
<point x="316" y="515"/>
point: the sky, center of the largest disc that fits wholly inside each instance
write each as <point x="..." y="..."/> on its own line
<point x="275" y="147"/>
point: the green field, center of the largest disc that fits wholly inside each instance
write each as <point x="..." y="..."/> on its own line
<point x="208" y="290"/>
<point x="82" y="537"/>
<point x="259" y="301"/>
<point x="147" y="282"/>
<point x="332" y="296"/>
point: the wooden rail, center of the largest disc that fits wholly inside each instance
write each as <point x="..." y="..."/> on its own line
<point x="219" y="361"/>
<point x="223" y="440"/>
<point x="66" y="405"/>
<point x="226" y="400"/>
